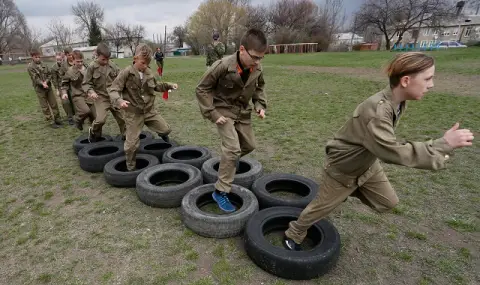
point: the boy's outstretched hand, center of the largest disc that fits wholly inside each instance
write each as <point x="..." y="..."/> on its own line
<point x="458" y="138"/>
<point x="175" y="86"/>
<point x="261" y="113"/>
<point x="123" y="104"/>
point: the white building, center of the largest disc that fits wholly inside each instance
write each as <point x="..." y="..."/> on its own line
<point x="347" y="39"/>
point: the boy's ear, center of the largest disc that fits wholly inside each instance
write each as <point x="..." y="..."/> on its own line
<point x="404" y="81"/>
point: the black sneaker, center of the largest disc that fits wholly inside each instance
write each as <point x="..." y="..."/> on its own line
<point x="291" y="245"/>
<point x="71" y="122"/>
<point x="165" y="138"/>
<point x="91" y="137"/>
<point x="79" y="125"/>
<point x="58" y="122"/>
<point x="55" y="126"/>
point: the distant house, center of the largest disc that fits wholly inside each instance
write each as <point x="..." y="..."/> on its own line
<point x="347" y="39"/>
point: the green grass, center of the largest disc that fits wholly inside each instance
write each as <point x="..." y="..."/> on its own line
<point x="61" y="225"/>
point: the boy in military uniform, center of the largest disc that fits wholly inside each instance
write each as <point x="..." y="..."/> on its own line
<point x="216" y="50"/>
<point x="72" y="80"/>
<point x="352" y="164"/>
<point x="159" y="59"/>
<point x="224" y="94"/>
<point x="41" y="77"/>
<point x="134" y="91"/>
<point x="57" y="82"/>
<point x="99" y="76"/>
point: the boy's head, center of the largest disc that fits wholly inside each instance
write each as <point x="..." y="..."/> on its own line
<point x="159" y="49"/>
<point x="77" y="58"/>
<point x="413" y="73"/>
<point x="252" y="47"/>
<point x="216" y="36"/>
<point x="35" y="54"/>
<point x="103" y="54"/>
<point x="59" y="57"/>
<point x="68" y="53"/>
<point x="143" y="56"/>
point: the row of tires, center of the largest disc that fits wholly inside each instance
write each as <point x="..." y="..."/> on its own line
<point x="182" y="176"/>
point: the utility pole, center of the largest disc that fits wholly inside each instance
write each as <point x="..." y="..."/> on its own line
<point x="165" y="40"/>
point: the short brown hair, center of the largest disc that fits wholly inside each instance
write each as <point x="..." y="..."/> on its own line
<point x="144" y="51"/>
<point x="103" y="49"/>
<point x="254" y="39"/>
<point x="77" y="54"/>
<point x="67" y="50"/>
<point x="408" y="63"/>
<point x="34" y="52"/>
<point x="59" y="53"/>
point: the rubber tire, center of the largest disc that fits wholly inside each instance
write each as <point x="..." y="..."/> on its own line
<point x="197" y="162"/>
<point x="296" y="265"/>
<point x="144" y="135"/>
<point x="166" y="196"/>
<point x="82" y="141"/>
<point x="119" y="178"/>
<point x="214" y="225"/>
<point x="156" y="152"/>
<point x="93" y="163"/>
<point x="246" y="179"/>
<point x="267" y="200"/>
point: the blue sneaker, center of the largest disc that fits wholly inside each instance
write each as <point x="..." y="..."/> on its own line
<point x="223" y="202"/>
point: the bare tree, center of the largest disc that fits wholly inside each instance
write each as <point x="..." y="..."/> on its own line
<point x="12" y="24"/>
<point x="32" y="38"/>
<point x="133" y="34"/>
<point x="179" y="35"/>
<point x="87" y="13"/>
<point x="394" y="17"/>
<point x="115" y="34"/>
<point x="61" y="32"/>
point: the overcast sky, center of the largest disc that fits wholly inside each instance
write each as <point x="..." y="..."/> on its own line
<point x="153" y="14"/>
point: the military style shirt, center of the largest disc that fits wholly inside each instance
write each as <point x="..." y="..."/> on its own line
<point x="64" y="68"/>
<point x="56" y="78"/>
<point x="73" y="79"/>
<point x="99" y="78"/>
<point x="215" y="52"/>
<point x="222" y="92"/>
<point x="39" y="72"/>
<point x="139" y="92"/>
<point x="369" y="135"/>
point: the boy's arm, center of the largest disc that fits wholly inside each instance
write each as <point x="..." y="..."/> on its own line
<point x="55" y="78"/>
<point x="48" y="75"/>
<point x="163" y="86"/>
<point x="259" y="98"/>
<point x="87" y="83"/>
<point x="381" y="141"/>
<point x="117" y="87"/>
<point x="34" y="76"/>
<point x="205" y="92"/>
<point x="65" y="83"/>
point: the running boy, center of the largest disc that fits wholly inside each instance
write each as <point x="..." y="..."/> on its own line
<point x="57" y="82"/>
<point x="159" y="59"/>
<point x="352" y="163"/>
<point x="41" y="77"/>
<point x="134" y="90"/>
<point x="99" y="76"/>
<point x="73" y="80"/>
<point x="224" y="94"/>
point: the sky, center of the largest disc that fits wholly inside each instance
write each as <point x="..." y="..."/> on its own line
<point x="153" y="14"/>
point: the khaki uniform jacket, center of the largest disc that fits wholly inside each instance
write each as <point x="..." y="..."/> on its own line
<point x="98" y="78"/>
<point x="63" y="69"/>
<point x="140" y="93"/>
<point x="73" y="79"/>
<point x="38" y="73"/>
<point x="56" y="78"/>
<point x="369" y="135"/>
<point x="221" y="91"/>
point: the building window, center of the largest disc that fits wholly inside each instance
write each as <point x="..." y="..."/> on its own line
<point x="426" y="32"/>
<point x="446" y="33"/>
<point x="423" y="43"/>
<point x="455" y="32"/>
<point x="435" y="32"/>
<point x="468" y="31"/>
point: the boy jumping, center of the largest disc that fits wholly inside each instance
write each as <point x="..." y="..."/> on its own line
<point x="134" y="90"/>
<point x="224" y="94"/>
<point x="352" y="163"/>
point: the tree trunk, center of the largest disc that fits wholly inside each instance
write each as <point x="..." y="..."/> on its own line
<point x="387" y="44"/>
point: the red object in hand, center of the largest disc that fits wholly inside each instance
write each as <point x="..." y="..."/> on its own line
<point x="165" y="95"/>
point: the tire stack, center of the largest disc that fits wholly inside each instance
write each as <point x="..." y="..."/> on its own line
<point x="171" y="176"/>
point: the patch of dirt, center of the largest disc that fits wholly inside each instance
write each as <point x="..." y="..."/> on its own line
<point x="461" y="85"/>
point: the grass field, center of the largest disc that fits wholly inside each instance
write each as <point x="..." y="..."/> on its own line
<point x="61" y="225"/>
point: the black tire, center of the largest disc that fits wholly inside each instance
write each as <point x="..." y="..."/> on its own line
<point x="304" y="187"/>
<point x="116" y="173"/>
<point x="151" y="192"/>
<point x="94" y="157"/>
<point x="155" y="147"/>
<point x="249" y="171"/>
<point x="217" y="225"/>
<point x="193" y="155"/>
<point x="144" y="135"/>
<point x="82" y="141"/>
<point x="297" y="265"/>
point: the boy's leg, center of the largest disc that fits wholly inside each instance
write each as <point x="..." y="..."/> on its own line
<point x="82" y="111"/>
<point x="331" y="194"/>
<point x="101" y="107"/>
<point x="70" y="99"/>
<point x="42" y="99"/>
<point x="231" y="152"/>
<point x="246" y="138"/>
<point x="134" y="124"/>
<point x="67" y="107"/>
<point x="377" y="192"/>
<point x="52" y="102"/>
<point x="156" y="123"/>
